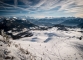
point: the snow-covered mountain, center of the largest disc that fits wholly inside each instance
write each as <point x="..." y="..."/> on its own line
<point x="48" y="22"/>
<point x="49" y="44"/>
<point x="14" y="25"/>
<point x="67" y="21"/>
<point x="31" y="42"/>
<point x="73" y="22"/>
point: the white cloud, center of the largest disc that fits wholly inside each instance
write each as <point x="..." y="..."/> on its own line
<point x="26" y="2"/>
<point x="73" y="6"/>
<point x="79" y="15"/>
<point x="67" y="6"/>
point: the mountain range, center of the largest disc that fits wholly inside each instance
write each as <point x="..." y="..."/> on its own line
<point x="18" y="25"/>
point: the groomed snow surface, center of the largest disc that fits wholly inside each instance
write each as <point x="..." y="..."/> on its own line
<point x="49" y="44"/>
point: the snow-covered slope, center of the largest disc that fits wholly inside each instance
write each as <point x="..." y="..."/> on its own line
<point x="49" y="44"/>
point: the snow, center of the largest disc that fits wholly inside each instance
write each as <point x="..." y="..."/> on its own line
<point x="24" y="19"/>
<point x="49" y="44"/>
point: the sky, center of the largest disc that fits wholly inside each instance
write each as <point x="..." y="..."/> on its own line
<point x="42" y="8"/>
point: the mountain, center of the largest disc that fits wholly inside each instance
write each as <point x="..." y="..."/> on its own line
<point x="15" y="24"/>
<point x="67" y="21"/>
<point x="48" y="22"/>
<point x="80" y="25"/>
<point x="72" y="22"/>
<point x="18" y="28"/>
<point x="51" y="44"/>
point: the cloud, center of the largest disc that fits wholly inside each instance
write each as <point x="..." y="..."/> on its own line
<point x="50" y="6"/>
<point x="79" y="15"/>
<point x="27" y="2"/>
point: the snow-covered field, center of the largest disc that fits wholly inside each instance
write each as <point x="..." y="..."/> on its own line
<point x="49" y="44"/>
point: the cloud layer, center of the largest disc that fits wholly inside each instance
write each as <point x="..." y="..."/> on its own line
<point x="46" y="7"/>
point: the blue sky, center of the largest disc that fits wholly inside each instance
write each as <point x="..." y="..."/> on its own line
<point x="42" y="8"/>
